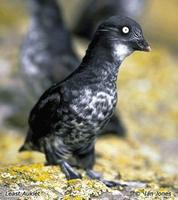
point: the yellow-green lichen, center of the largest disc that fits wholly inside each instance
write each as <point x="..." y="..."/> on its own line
<point x="32" y="173"/>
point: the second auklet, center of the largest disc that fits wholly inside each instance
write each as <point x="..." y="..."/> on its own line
<point x="65" y="121"/>
<point x="47" y="53"/>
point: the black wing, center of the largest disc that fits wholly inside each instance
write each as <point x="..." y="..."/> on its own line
<point x="44" y="114"/>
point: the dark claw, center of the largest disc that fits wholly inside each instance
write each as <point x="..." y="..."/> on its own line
<point x="73" y="175"/>
<point x="112" y="183"/>
<point x="94" y="175"/>
<point x="69" y="171"/>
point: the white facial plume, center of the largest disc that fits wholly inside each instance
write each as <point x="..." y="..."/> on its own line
<point x="121" y="51"/>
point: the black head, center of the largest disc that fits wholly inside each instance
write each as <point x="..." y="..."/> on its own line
<point x="124" y="34"/>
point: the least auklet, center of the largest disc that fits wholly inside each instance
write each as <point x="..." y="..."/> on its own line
<point x="65" y="121"/>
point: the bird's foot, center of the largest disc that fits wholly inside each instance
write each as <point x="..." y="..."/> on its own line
<point x="69" y="171"/>
<point x="112" y="183"/>
<point x="92" y="174"/>
<point x="97" y="176"/>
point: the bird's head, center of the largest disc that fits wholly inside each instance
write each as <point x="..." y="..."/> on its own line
<point x="124" y="35"/>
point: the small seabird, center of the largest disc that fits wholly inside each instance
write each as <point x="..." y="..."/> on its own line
<point x="67" y="118"/>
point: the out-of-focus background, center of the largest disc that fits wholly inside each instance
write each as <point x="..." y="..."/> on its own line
<point x="148" y="98"/>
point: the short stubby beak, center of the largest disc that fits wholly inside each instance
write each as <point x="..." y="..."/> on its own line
<point x="148" y="49"/>
<point x="142" y="45"/>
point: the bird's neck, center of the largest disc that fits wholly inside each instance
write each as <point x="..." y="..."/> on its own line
<point x="100" y="61"/>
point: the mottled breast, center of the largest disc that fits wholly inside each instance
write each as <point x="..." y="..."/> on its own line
<point x="94" y="108"/>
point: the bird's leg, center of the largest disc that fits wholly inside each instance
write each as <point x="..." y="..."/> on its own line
<point x="50" y="157"/>
<point x="94" y="175"/>
<point x="86" y="158"/>
<point x="134" y="184"/>
<point x="53" y="158"/>
<point x="69" y="171"/>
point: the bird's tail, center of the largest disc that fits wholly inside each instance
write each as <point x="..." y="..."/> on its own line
<point x="24" y="148"/>
<point x="28" y="145"/>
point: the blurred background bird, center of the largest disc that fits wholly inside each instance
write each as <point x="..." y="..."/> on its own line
<point x="47" y="54"/>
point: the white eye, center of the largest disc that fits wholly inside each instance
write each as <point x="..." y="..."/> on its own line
<point x="125" y="29"/>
